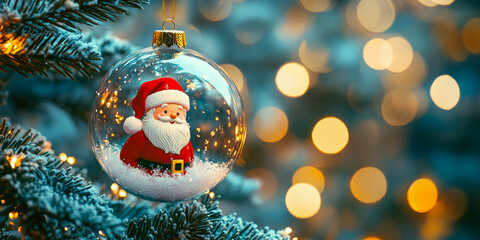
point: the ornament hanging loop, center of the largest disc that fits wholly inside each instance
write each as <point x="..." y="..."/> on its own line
<point x="169" y="20"/>
<point x="165" y="19"/>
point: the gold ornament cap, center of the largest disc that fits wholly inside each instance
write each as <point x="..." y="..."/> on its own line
<point x="169" y="38"/>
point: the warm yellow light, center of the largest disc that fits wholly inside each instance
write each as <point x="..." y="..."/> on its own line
<point x="399" y="107"/>
<point x="471" y="35"/>
<point x="211" y="195"/>
<point x="270" y="124"/>
<point x="303" y="200"/>
<point x="13" y="45"/>
<point x="310" y="175"/>
<point x="114" y="187"/>
<point x="315" y="5"/>
<point x="63" y="157"/>
<point x="445" y="92"/>
<point x="314" y="59"/>
<point x="428" y="3"/>
<point x="330" y="135"/>
<point x="71" y="160"/>
<point x="402" y="54"/>
<point x="378" y="54"/>
<point x="288" y="230"/>
<point x="376" y="15"/>
<point x="216" y="10"/>
<point x="371" y="238"/>
<point x="368" y="185"/>
<point x="235" y="74"/>
<point x="122" y="193"/>
<point x="443" y="2"/>
<point x="292" y="79"/>
<point x="422" y="195"/>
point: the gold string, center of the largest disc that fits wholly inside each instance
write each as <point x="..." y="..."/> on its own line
<point x="173" y="12"/>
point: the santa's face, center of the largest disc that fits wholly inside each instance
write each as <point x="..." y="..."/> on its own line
<point x="171" y="110"/>
<point x="166" y="127"/>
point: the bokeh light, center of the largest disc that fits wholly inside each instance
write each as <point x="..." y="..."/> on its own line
<point x="330" y="135"/>
<point x="268" y="182"/>
<point x="428" y="3"/>
<point x="310" y="175"/>
<point x="303" y="200"/>
<point x="471" y="35"/>
<point x="376" y="15"/>
<point x="368" y="185"/>
<point x="378" y="54"/>
<point x="215" y="10"/>
<point x="292" y="79"/>
<point x="270" y="124"/>
<point x="399" y="107"/>
<point x="371" y="238"/>
<point x="315" y="5"/>
<point x="412" y="77"/>
<point x="235" y="74"/>
<point x="422" y="195"/>
<point x="402" y="54"/>
<point x="445" y="92"/>
<point x="314" y="59"/>
<point x="443" y="2"/>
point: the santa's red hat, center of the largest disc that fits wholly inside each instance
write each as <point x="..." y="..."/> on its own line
<point x="152" y="94"/>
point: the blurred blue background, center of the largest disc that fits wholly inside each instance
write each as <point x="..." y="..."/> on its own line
<point x="363" y="116"/>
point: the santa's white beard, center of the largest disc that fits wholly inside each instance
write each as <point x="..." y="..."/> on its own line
<point x="171" y="138"/>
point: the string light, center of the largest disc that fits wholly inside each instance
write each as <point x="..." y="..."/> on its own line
<point x="71" y="160"/>
<point x="15" y="160"/>
<point x="122" y="193"/>
<point x="12" y="45"/>
<point x="288" y="230"/>
<point x="63" y="157"/>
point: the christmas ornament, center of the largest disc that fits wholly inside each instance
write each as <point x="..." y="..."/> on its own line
<point x="167" y="124"/>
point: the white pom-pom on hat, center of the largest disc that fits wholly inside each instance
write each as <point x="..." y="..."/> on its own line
<point x="132" y="125"/>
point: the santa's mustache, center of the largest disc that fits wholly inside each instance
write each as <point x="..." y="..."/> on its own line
<point x="168" y="119"/>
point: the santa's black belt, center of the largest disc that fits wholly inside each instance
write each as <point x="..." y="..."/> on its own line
<point x="178" y="165"/>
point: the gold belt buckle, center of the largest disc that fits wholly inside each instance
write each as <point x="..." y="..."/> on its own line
<point x="177" y="166"/>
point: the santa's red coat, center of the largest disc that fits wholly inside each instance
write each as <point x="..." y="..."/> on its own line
<point x="138" y="146"/>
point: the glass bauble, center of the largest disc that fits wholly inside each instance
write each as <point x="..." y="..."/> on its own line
<point x="216" y="118"/>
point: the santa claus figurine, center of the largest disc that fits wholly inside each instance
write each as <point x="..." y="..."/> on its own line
<point x="162" y="139"/>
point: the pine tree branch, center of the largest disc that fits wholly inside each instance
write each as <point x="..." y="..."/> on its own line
<point x="38" y="15"/>
<point x="63" y="52"/>
<point x="53" y="202"/>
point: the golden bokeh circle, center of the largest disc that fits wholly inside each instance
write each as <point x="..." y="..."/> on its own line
<point x="402" y="54"/>
<point x="376" y="15"/>
<point x="330" y="135"/>
<point x="422" y="195"/>
<point x="235" y="74"/>
<point x="378" y="54"/>
<point x="399" y="107"/>
<point x="270" y="124"/>
<point x="303" y="200"/>
<point x="310" y="175"/>
<point x="368" y="185"/>
<point x="445" y="92"/>
<point x="292" y="79"/>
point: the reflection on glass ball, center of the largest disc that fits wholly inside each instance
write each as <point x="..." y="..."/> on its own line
<point x="216" y="118"/>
